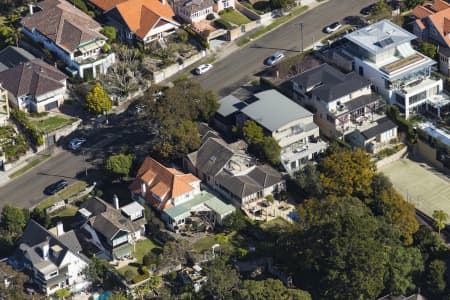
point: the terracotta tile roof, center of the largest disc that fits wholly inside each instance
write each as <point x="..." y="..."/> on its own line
<point x="439" y="5"/>
<point x="166" y="183"/>
<point x="64" y="24"/>
<point x="420" y="24"/>
<point x="421" y="12"/>
<point x="140" y="16"/>
<point x="438" y="20"/>
<point x="106" y="4"/>
<point x="34" y="77"/>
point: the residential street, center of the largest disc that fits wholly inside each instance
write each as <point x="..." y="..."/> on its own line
<point x="228" y="74"/>
<point x="236" y="69"/>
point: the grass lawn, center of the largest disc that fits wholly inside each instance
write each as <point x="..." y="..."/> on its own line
<point x="32" y="164"/>
<point x="69" y="191"/>
<point x="143" y="247"/>
<point x="235" y="17"/>
<point x="228" y="243"/>
<point x="52" y="123"/>
<point x="68" y="211"/>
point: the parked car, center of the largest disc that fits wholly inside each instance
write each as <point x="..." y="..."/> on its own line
<point x="76" y="143"/>
<point x="56" y="187"/>
<point x="271" y="60"/>
<point x="203" y="69"/>
<point x="368" y="10"/>
<point x="333" y="27"/>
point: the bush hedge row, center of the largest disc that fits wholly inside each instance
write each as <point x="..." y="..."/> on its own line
<point x="25" y="125"/>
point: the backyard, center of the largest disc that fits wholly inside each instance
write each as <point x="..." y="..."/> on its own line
<point x="420" y="185"/>
<point x="142" y="247"/>
<point x="234" y="17"/>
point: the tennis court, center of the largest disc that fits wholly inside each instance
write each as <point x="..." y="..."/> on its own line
<point x="420" y="184"/>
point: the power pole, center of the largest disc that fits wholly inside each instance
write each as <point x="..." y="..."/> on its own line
<point x="301" y="36"/>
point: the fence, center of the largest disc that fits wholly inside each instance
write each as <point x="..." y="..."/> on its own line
<point x="62" y="203"/>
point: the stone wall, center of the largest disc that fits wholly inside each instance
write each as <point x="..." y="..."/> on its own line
<point x="171" y="70"/>
<point x="394" y="157"/>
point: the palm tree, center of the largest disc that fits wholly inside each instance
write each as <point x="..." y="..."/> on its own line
<point x="440" y="217"/>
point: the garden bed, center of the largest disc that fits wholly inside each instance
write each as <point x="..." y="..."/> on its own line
<point x="12" y="144"/>
<point x="52" y="123"/>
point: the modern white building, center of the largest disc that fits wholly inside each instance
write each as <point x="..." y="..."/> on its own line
<point x="382" y="53"/>
<point x="71" y="34"/>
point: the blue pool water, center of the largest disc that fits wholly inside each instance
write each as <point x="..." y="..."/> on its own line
<point x="105" y="295"/>
<point x="294" y="216"/>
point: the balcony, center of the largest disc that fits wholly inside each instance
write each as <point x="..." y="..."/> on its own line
<point x="418" y="85"/>
<point x="299" y="155"/>
<point x="80" y="60"/>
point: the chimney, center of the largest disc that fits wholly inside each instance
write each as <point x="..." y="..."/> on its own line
<point x="163" y="2"/>
<point x="30" y="6"/>
<point x="45" y="248"/>
<point x="116" y="201"/>
<point x="143" y="189"/>
<point x="59" y="229"/>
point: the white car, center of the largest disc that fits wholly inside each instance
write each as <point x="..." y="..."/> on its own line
<point x="333" y="27"/>
<point x="76" y="143"/>
<point x="274" y="58"/>
<point x="203" y="69"/>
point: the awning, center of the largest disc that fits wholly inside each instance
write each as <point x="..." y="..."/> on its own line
<point x="91" y="46"/>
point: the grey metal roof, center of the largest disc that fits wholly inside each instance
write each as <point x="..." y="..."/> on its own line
<point x="12" y="56"/>
<point x="328" y="83"/>
<point x="273" y="110"/>
<point x="132" y="208"/>
<point x="229" y="105"/>
<point x="380" y="36"/>
<point x="383" y="125"/>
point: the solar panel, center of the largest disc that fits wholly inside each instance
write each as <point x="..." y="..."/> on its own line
<point x="385" y="42"/>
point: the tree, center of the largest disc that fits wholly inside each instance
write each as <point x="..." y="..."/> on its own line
<point x="404" y="265"/>
<point x="126" y="74"/>
<point x="62" y="293"/>
<point x="347" y="173"/>
<point x="13" y="220"/>
<point x="97" y="271"/>
<point x="253" y="133"/>
<point x="110" y="32"/>
<point x="120" y="164"/>
<point x="223" y="280"/>
<point x="270" y="150"/>
<point x="129" y="275"/>
<point x="428" y="49"/>
<point x="269" y="289"/>
<point x="440" y="218"/>
<point x="435" y="277"/>
<point x="97" y="100"/>
<point x="182" y="35"/>
<point x="40" y="216"/>
<point x="118" y="296"/>
<point x="410" y="4"/>
<point x="381" y="11"/>
<point x="11" y="34"/>
<point x="308" y="181"/>
<point x="235" y="222"/>
<point x="266" y="147"/>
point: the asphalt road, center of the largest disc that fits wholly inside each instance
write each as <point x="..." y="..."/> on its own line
<point x="238" y="68"/>
<point x="27" y="190"/>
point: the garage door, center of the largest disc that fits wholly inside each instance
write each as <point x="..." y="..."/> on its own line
<point x="51" y="105"/>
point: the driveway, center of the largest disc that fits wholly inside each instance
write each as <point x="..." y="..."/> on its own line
<point x="239" y="67"/>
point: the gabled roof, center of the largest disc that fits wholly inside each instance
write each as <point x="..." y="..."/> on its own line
<point x="64" y="24"/>
<point x="34" y="77"/>
<point x="273" y="110"/>
<point x="105" y="219"/>
<point x="106" y="4"/>
<point x="193" y="6"/>
<point x="165" y="182"/>
<point x="141" y="16"/>
<point x="12" y="56"/>
<point x="439" y="5"/>
<point x="382" y="125"/>
<point x="328" y="83"/>
<point x="421" y="12"/>
<point x="35" y="236"/>
<point x="441" y="22"/>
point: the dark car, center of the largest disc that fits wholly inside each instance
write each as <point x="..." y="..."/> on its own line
<point x="56" y="187"/>
<point x="368" y="10"/>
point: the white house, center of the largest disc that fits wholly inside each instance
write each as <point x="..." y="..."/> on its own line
<point x="54" y="261"/>
<point x="193" y="11"/>
<point x="382" y="53"/>
<point x="72" y="35"/>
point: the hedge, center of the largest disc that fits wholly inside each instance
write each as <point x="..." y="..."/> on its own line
<point x="140" y="278"/>
<point x="223" y="24"/>
<point x="25" y="125"/>
<point x="404" y="125"/>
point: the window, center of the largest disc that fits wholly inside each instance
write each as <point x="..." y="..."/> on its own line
<point x="361" y="71"/>
<point x="418" y="97"/>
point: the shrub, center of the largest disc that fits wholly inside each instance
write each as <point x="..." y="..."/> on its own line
<point x="147" y="260"/>
<point x="182" y="35"/>
<point x="22" y="121"/>
<point x="128" y="275"/>
<point x="143" y="269"/>
<point x="141" y="277"/>
<point x="110" y="32"/>
<point x="210" y="17"/>
<point x="223" y="24"/>
<point x="198" y="37"/>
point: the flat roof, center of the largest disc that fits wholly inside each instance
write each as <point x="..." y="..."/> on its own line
<point x="229" y="105"/>
<point x="380" y="36"/>
<point x="273" y="110"/>
<point x="132" y="208"/>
